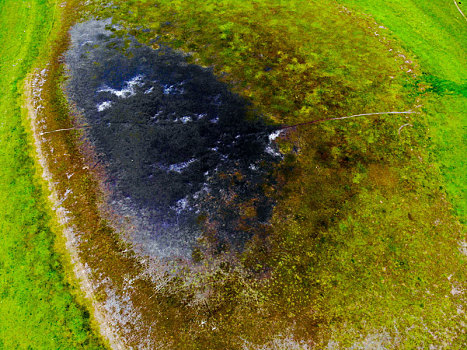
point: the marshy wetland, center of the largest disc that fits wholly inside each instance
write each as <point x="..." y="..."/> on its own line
<point x="179" y="217"/>
<point x="167" y="134"/>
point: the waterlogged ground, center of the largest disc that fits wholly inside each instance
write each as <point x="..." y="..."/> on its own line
<point x="178" y="150"/>
<point x="359" y="248"/>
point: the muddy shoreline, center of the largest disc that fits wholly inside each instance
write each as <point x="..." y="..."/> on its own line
<point x="81" y="273"/>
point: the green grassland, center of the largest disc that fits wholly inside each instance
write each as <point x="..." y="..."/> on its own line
<point x="39" y="307"/>
<point x="363" y="245"/>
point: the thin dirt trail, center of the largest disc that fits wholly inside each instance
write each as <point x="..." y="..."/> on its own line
<point x="459" y="9"/>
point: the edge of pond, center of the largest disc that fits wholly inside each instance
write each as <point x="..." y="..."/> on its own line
<point x="66" y="242"/>
<point x="65" y="230"/>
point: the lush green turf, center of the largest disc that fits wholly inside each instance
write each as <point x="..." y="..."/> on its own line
<point x="436" y="33"/>
<point x="38" y="308"/>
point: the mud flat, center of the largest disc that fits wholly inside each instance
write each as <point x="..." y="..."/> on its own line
<point x="32" y="88"/>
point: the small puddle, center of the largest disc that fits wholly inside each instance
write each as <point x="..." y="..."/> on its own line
<point x="178" y="150"/>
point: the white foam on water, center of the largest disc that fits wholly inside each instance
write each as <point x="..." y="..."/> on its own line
<point x="128" y="88"/>
<point x="272" y="151"/>
<point x="148" y="91"/>
<point x="103" y="106"/>
<point x="173" y="89"/>
<point x="181" y="205"/>
<point x="186" y="119"/>
<point x="178" y="167"/>
<point x="275" y="135"/>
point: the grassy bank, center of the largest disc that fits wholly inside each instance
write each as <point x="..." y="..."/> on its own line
<point x="39" y="307"/>
<point x="435" y="32"/>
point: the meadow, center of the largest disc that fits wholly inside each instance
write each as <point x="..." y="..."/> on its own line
<point x="435" y="32"/>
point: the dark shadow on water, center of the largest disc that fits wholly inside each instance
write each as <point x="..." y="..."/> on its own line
<point x="175" y="141"/>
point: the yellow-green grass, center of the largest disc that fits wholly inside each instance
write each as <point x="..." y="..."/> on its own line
<point x="39" y="305"/>
<point x="436" y="33"/>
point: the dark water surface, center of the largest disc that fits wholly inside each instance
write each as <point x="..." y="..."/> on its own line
<point x="176" y="144"/>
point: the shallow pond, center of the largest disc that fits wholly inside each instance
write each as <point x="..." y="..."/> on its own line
<point x="182" y="154"/>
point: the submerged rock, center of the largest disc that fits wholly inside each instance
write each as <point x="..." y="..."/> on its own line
<point x="182" y="154"/>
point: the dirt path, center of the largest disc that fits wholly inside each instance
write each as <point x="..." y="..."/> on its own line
<point x="341" y="118"/>
<point x="462" y="13"/>
<point x="80" y="271"/>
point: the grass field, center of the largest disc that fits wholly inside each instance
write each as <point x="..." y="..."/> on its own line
<point x="39" y="308"/>
<point x="436" y="33"/>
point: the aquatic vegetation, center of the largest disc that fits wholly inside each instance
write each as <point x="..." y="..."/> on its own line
<point x="341" y="233"/>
